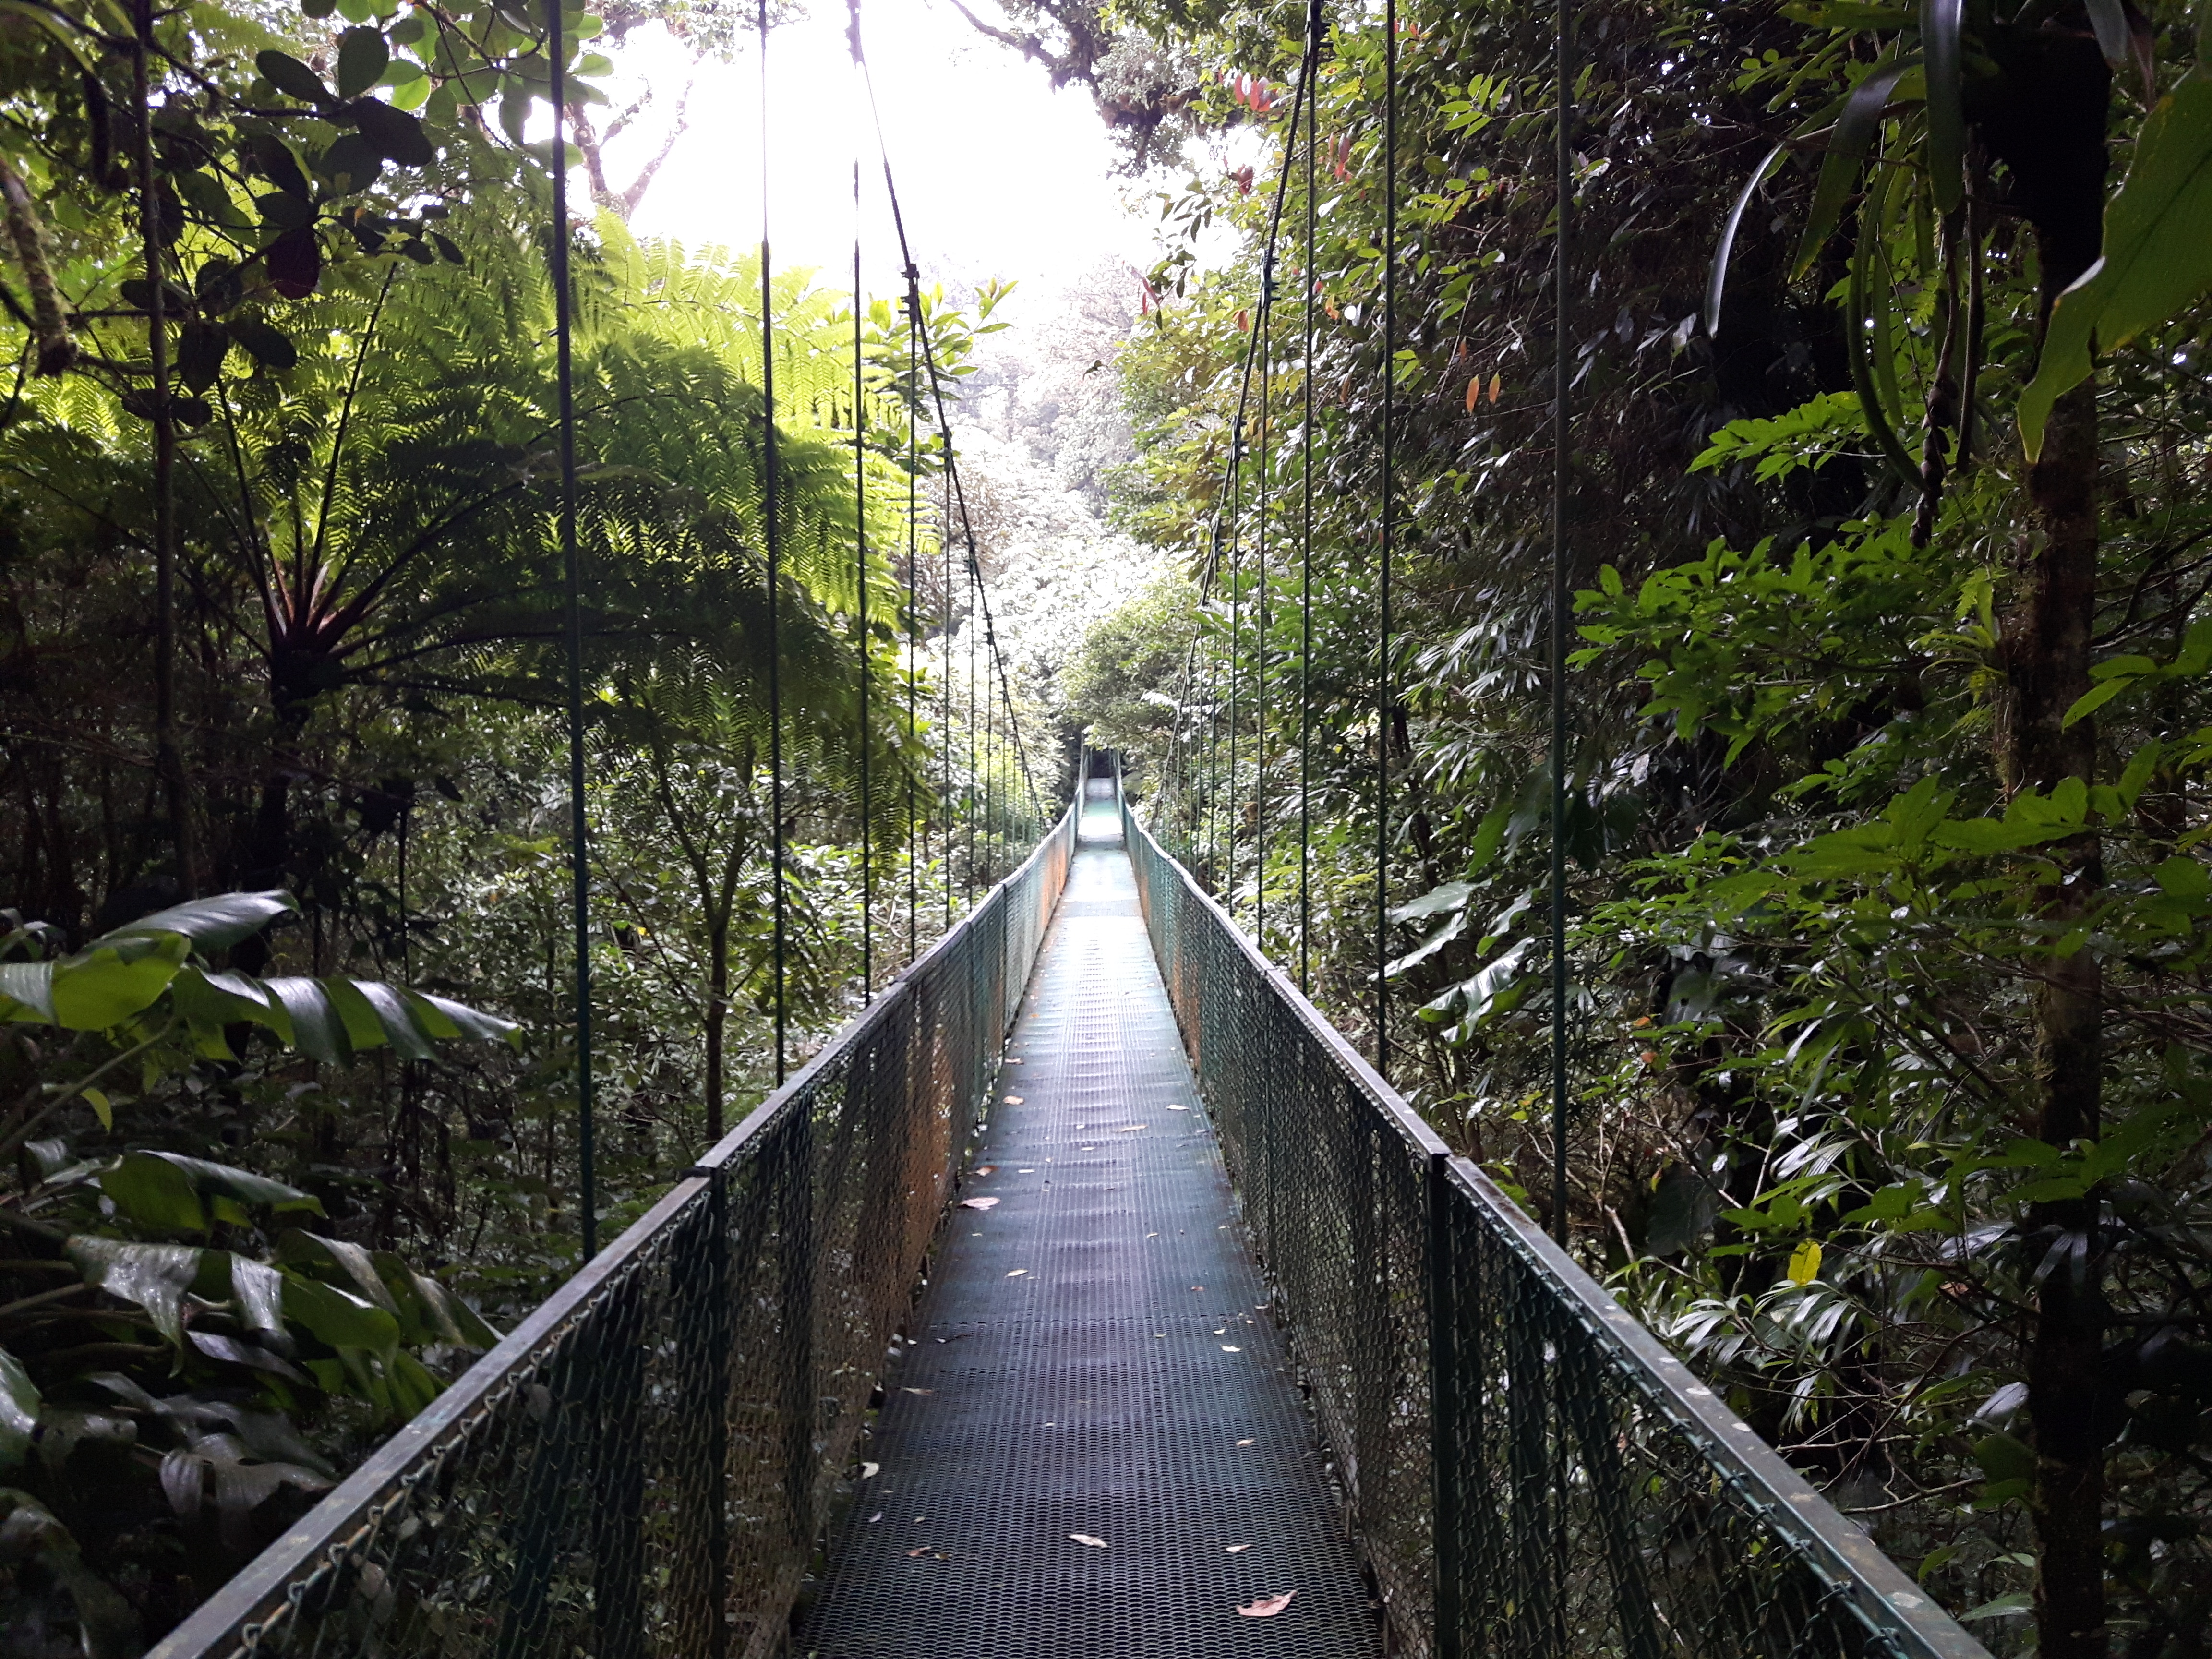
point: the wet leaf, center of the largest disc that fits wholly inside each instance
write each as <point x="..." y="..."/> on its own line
<point x="153" y="1276"/>
<point x="1268" y="1607"/>
<point x="19" y="1410"/>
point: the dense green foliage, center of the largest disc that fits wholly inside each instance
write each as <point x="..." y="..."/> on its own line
<point x="284" y="615"/>
<point x="1886" y="814"/>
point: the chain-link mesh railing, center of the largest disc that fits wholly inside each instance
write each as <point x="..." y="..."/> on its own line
<point x="643" y="1468"/>
<point x="1532" y="1475"/>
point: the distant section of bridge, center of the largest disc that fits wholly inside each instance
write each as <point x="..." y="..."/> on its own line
<point x="1164" y="1328"/>
<point x="1091" y="1442"/>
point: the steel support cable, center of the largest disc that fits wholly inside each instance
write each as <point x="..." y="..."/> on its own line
<point x="572" y="596"/>
<point x="915" y="828"/>
<point x="959" y="494"/>
<point x="1382" y="684"/>
<point x="772" y="540"/>
<point x="1561" y="378"/>
<point x="1312" y="280"/>
<point x="860" y="563"/>
<point x="1303" y="96"/>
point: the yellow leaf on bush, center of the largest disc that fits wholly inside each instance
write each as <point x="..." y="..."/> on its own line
<point x="1805" y="1262"/>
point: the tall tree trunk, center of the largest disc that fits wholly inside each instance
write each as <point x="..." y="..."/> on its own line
<point x="2046" y="117"/>
<point x="718" y="1008"/>
<point x="2047" y="654"/>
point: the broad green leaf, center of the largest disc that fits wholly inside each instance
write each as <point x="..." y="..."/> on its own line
<point x="347" y="1259"/>
<point x="153" y="1192"/>
<point x="292" y="77"/>
<point x="393" y="134"/>
<point x="363" y="56"/>
<point x="317" y="1031"/>
<point x="444" y="1018"/>
<point x="153" y="1276"/>
<point x="98" y="989"/>
<point x="259" y="1289"/>
<point x="338" y="1319"/>
<point x="241" y="1184"/>
<point x="19" y="1410"/>
<point x="2158" y="259"/>
<point x="211" y="924"/>
<point x="394" y="1017"/>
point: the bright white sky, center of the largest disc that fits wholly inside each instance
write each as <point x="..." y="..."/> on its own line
<point x="1000" y="176"/>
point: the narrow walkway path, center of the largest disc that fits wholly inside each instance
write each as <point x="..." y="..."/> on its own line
<point x="1093" y="1358"/>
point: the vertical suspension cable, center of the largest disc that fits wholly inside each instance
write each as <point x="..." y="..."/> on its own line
<point x="944" y="743"/>
<point x="772" y="537"/>
<point x="1260" y="596"/>
<point x="915" y="827"/>
<point x="972" y="778"/>
<point x="1389" y="508"/>
<point x="1564" y="167"/>
<point x="861" y="563"/>
<point x="572" y="595"/>
<point x="1305" y="523"/>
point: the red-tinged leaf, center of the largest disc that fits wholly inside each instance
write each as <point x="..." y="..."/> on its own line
<point x="1497" y="387"/>
<point x="1473" y="393"/>
<point x="1268" y="1606"/>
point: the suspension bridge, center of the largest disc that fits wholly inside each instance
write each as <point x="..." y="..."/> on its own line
<point x="1087" y="1294"/>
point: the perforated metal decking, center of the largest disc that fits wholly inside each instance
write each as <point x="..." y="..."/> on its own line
<point x="1093" y="1357"/>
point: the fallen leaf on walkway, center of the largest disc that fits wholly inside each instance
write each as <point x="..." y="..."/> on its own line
<point x="918" y="1391"/>
<point x="1224" y="1331"/>
<point x="1013" y="1100"/>
<point x="1085" y="1538"/>
<point x="1225" y="1348"/>
<point x="868" y="1471"/>
<point x="1016" y="1060"/>
<point x="979" y="1203"/>
<point x="1131" y="1129"/>
<point x="1268" y="1607"/>
<point x="877" y="1517"/>
<point x="1019" y="1272"/>
<point x="1234" y="1549"/>
<point x="990" y="1169"/>
<point x="1198" y="1287"/>
<point x="1151" y="1235"/>
<point x="1247" y="1442"/>
<point x="1178" y="1109"/>
<point x="1025" y="1172"/>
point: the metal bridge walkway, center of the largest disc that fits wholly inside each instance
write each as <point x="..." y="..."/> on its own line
<point x="1094" y="1356"/>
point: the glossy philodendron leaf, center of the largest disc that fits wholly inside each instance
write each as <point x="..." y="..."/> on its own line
<point x="221" y="1180"/>
<point x="338" y="1319"/>
<point x="19" y="1410"/>
<point x="154" y="1276"/>
<point x="2158" y="255"/>
<point x="212" y="924"/>
<point x="155" y="1194"/>
<point x="98" y="989"/>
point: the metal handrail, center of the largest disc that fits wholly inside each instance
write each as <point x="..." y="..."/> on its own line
<point x="645" y="1369"/>
<point x="1593" y="1400"/>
